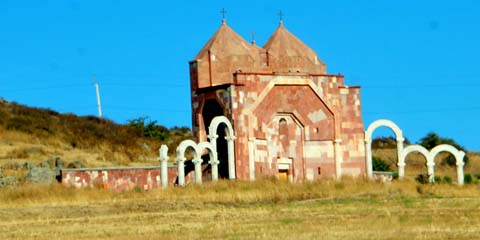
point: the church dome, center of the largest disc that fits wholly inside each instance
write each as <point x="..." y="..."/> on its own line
<point x="287" y="53"/>
<point x="224" y="54"/>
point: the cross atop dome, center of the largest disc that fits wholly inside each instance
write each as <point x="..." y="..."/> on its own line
<point x="280" y="15"/>
<point x="223" y="12"/>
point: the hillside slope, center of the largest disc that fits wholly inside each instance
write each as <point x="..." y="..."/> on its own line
<point x="35" y="135"/>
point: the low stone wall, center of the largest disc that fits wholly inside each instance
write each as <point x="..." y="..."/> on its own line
<point x="117" y="178"/>
<point x="383" y="176"/>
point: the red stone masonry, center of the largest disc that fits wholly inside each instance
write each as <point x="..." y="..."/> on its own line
<point x="290" y="117"/>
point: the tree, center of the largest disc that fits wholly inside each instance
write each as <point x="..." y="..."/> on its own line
<point x="432" y="140"/>
<point x="150" y="129"/>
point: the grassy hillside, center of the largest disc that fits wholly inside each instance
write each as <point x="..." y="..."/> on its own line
<point x="34" y="135"/>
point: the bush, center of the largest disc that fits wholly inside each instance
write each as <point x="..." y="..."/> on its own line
<point x="422" y="178"/>
<point x="150" y="129"/>
<point x="468" y="179"/>
<point x="447" y="180"/>
<point x="379" y="164"/>
<point x="437" y="179"/>
<point x="477" y="176"/>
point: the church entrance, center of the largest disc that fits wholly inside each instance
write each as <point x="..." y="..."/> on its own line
<point x="211" y="109"/>
<point x="283" y="175"/>
<point x="288" y="148"/>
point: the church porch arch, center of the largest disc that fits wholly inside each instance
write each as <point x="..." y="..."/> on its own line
<point x="458" y="154"/>
<point x="424" y="152"/>
<point x="228" y="135"/>
<point x="368" y="145"/>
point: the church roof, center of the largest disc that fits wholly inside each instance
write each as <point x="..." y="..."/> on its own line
<point x="226" y="42"/>
<point x="283" y="45"/>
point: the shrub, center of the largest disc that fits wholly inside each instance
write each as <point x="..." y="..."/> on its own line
<point x="422" y="178"/>
<point x="477" y="175"/>
<point x="150" y="129"/>
<point x="379" y="164"/>
<point x="468" y="179"/>
<point x="437" y="179"/>
<point x="447" y="180"/>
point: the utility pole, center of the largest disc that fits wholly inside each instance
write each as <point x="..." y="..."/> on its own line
<point x="97" y="90"/>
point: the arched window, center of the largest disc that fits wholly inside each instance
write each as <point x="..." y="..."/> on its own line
<point x="283" y="134"/>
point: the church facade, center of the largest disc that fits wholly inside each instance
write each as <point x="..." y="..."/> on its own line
<point x="291" y="119"/>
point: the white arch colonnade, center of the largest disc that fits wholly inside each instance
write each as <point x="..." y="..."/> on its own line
<point x="210" y="146"/>
<point x="403" y="152"/>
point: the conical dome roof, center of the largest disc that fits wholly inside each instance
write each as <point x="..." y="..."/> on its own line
<point x="226" y="42"/>
<point x="225" y="53"/>
<point x="288" y="53"/>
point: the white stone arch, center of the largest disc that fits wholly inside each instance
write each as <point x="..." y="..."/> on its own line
<point x="182" y="147"/>
<point x="422" y="150"/>
<point x="213" y="158"/>
<point x="368" y="145"/>
<point x="197" y="160"/>
<point x="229" y="136"/>
<point x="458" y="154"/>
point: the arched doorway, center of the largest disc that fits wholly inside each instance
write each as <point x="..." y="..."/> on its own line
<point x="286" y="147"/>
<point x="221" y="132"/>
<point x="212" y="109"/>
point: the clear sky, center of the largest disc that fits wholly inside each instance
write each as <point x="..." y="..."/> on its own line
<point x="417" y="61"/>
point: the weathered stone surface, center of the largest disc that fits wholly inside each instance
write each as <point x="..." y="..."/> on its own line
<point x="41" y="175"/>
<point x="8" y="181"/>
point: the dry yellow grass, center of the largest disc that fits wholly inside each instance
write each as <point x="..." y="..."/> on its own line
<point x="18" y="148"/>
<point x="351" y="209"/>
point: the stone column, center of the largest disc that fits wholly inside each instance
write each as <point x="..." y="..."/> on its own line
<point x="181" y="170"/>
<point x="337" y="146"/>
<point x="231" y="157"/>
<point x="214" y="162"/>
<point x="460" y="176"/>
<point x="251" y="158"/>
<point x="401" y="169"/>
<point x="163" y="165"/>
<point x="431" y="170"/>
<point x="198" y="169"/>
<point x="460" y="163"/>
<point x="400" y="160"/>
<point x="368" y="151"/>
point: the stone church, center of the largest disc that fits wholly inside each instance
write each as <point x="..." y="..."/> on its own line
<point x="290" y="118"/>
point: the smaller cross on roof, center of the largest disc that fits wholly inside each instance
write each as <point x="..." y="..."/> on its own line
<point x="280" y="14"/>
<point x="223" y="12"/>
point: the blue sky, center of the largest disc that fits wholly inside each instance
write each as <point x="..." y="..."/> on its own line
<point x="417" y="61"/>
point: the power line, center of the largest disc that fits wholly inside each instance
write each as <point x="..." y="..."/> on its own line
<point x="427" y="111"/>
<point x="415" y="86"/>
<point x="47" y="87"/>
